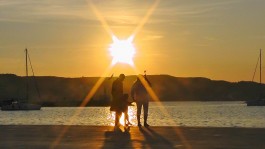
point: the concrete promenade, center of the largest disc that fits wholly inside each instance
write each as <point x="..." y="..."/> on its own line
<point x="105" y="137"/>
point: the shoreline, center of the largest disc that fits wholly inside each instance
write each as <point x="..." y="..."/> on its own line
<point x="80" y="136"/>
<point x="152" y="126"/>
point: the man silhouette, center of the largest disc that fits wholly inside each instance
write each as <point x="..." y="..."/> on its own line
<point x="117" y="97"/>
<point x="141" y="97"/>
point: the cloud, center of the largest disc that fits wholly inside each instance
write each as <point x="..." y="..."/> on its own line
<point x="123" y="12"/>
<point x="116" y="13"/>
<point x="174" y="10"/>
<point x="38" y="11"/>
<point x="153" y="37"/>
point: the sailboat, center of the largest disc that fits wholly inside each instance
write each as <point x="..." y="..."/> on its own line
<point x="257" y="102"/>
<point x="13" y="105"/>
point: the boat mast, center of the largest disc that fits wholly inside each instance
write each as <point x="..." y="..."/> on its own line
<point x="260" y="71"/>
<point x="260" y="66"/>
<point x="27" y="85"/>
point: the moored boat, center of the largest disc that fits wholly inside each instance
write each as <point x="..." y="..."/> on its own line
<point x="14" y="105"/>
<point x="260" y="101"/>
<point x="257" y="102"/>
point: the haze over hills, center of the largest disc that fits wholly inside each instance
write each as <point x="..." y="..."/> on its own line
<point x="60" y="91"/>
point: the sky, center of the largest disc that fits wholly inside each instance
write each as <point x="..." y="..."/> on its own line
<point x="216" y="39"/>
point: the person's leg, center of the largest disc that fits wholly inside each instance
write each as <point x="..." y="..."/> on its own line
<point x="146" y="105"/>
<point x="117" y="118"/>
<point x="126" y="118"/>
<point x="139" y="108"/>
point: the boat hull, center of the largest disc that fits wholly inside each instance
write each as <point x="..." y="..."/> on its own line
<point x="260" y="102"/>
<point x="20" y="106"/>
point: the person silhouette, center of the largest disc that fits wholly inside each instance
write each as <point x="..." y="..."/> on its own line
<point x="141" y="97"/>
<point x="117" y="98"/>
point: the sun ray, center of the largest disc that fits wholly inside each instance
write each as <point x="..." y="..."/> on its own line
<point x="95" y="87"/>
<point x="146" y="17"/>
<point x="131" y="38"/>
<point x="136" y="30"/>
<point x="83" y="104"/>
<point x="162" y="109"/>
<point x="100" y="17"/>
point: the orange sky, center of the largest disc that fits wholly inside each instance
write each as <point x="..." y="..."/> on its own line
<point x="219" y="40"/>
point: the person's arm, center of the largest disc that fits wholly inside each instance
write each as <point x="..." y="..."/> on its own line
<point x="149" y="83"/>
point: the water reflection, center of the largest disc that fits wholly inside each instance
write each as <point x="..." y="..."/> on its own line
<point x="205" y="114"/>
<point x="131" y="113"/>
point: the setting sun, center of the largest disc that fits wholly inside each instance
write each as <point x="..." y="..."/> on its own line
<point x="122" y="51"/>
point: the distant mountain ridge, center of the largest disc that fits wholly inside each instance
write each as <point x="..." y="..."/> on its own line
<point x="60" y="91"/>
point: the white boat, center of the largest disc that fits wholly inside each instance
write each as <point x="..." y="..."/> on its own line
<point x="260" y="101"/>
<point x="14" y="105"/>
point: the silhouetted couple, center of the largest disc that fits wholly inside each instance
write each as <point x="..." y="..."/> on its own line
<point x="120" y="102"/>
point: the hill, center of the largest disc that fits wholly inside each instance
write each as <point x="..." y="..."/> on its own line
<point x="59" y="91"/>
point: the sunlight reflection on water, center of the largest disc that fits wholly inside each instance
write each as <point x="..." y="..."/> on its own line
<point x="131" y="113"/>
<point x="205" y="114"/>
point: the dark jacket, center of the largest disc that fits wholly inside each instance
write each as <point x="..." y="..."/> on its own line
<point x="138" y="88"/>
<point x="117" y="95"/>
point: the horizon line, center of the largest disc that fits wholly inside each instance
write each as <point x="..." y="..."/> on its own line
<point x="130" y="75"/>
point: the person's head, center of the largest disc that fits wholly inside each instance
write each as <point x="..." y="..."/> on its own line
<point x="122" y="77"/>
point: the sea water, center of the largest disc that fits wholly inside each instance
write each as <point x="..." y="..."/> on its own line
<point x="202" y="114"/>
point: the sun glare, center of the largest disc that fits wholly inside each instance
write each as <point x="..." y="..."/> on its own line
<point x="122" y="51"/>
